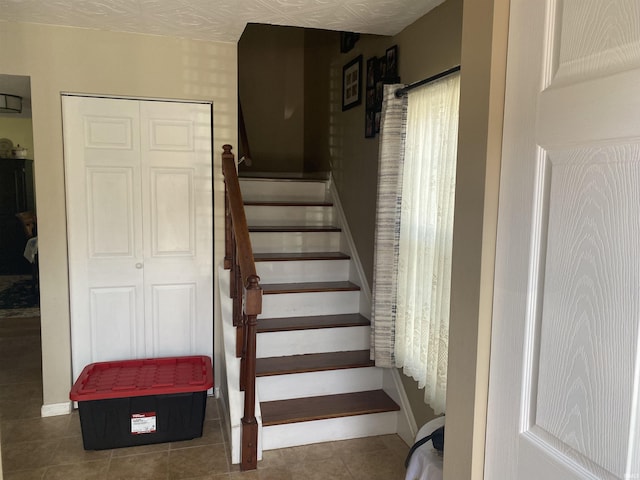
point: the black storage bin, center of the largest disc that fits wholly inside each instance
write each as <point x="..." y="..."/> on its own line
<point x="139" y="402"/>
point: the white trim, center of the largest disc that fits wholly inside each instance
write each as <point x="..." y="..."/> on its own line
<point x="392" y="384"/>
<point x="358" y="275"/>
<point x="55" y="409"/>
<point x="127" y="97"/>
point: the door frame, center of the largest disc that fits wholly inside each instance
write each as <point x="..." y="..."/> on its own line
<point x="485" y="28"/>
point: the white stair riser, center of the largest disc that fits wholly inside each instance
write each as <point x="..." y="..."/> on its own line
<point x="298" y="215"/>
<point x="284" y="191"/>
<point x="303" y="271"/>
<point x="305" y="304"/>
<point x="293" y="242"/>
<point x="305" y="433"/>
<point x="313" y="384"/>
<point x="299" y="342"/>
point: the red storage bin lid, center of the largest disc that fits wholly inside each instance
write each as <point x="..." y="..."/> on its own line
<point x="136" y="378"/>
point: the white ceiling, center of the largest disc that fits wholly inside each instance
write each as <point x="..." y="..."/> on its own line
<point x="218" y="20"/>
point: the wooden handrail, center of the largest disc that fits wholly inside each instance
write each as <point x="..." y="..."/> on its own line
<point x="246" y="294"/>
<point x="244" y="138"/>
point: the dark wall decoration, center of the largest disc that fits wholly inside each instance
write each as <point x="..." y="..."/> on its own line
<point x="348" y="41"/>
<point x="380" y="71"/>
<point x="352" y="83"/>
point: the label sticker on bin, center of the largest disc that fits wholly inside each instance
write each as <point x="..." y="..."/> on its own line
<point x="143" y="423"/>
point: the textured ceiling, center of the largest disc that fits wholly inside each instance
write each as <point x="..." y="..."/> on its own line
<point x="218" y="20"/>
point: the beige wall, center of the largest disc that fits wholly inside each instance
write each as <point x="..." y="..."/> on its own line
<point x="320" y="46"/>
<point x="271" y="86"/>
<point x="484" y="45"/>
<point x="352" y="157"/>
<point x="19" y="131"/>
<point x="97" y="62"/>
<point x="431" y="44"/>
<point x="428" y="46"/>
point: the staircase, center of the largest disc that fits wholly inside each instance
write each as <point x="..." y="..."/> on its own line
<point x="315" y="381"/>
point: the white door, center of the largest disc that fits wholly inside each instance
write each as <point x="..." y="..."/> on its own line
<point x="139" y="221"/>
<point x="564" y="394"/>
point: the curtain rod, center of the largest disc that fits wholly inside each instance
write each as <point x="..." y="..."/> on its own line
<point x="403" y="91"/>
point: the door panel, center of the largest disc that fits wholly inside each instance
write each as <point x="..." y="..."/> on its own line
<point x="110" y="209"/>
<point x="174" y="310"/>
<point x="177" y="206"/>
<point x="109" y="132"/>
<point x="173" y="215"/>
<point x="565" y="371"/>
<point x="104" y="228"/>
<point x="170" y="135"/>
<point x="589" y="317"/>
<point x="115" y="329"/>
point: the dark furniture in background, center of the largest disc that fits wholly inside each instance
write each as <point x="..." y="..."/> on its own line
<point x="16" y="195"/>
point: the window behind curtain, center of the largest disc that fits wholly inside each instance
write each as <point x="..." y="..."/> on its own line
<point x="426" y="230"/>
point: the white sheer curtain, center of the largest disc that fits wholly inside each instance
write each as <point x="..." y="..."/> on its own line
<point x="426" y="230"/>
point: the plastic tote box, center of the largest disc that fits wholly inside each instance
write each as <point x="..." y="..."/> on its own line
<point x="137" y="402"/>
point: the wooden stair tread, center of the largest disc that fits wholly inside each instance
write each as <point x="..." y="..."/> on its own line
<point x="311" y="322"/>
<point x="280" y="412"/>
<point x="294" y="228"/>
<point x="312" y="362"/>
<point x="286" y="203"/>
<point x="288" y="257"/>
<point x="308" y="287"/>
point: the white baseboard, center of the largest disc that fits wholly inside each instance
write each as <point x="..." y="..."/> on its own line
<point x="358" y="274"/>
<point x="54" y="409"/>
<point x="407" y="427"/>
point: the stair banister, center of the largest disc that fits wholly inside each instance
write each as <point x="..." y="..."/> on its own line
<point x="246" y="294"/>
<point x="244" y="138"/>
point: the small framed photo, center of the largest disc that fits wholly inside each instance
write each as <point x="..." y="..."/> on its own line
<point x="351" y="83"/>
<point x="372" y="72"/>
<point x="369" y="125"/>
<point x="348" y="41"/>
<point x="382" y="61"/>
<point x="391" y="58"/>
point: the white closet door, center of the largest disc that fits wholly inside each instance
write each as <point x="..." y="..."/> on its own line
<point x="177" y="220"/>
<point x="138" y="186"/>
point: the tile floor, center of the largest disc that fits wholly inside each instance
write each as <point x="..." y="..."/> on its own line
<point x="51" y="448"/>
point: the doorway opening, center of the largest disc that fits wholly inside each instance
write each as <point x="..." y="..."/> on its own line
<point x="20" y="341"/>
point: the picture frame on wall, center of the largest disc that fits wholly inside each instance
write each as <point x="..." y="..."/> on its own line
<point x="380" y="71"/>
<point x="391" y="60"/>
<point x="348" y="41"/>
<point x="372" y="71"/>
<point x="382" y="61"/>
<point x="369" y="124"/>
<point x="373" y="74"/>
<point x="352" y="83"/>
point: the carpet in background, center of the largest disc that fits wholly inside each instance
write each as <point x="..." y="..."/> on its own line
<point x="19" y="295"/>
